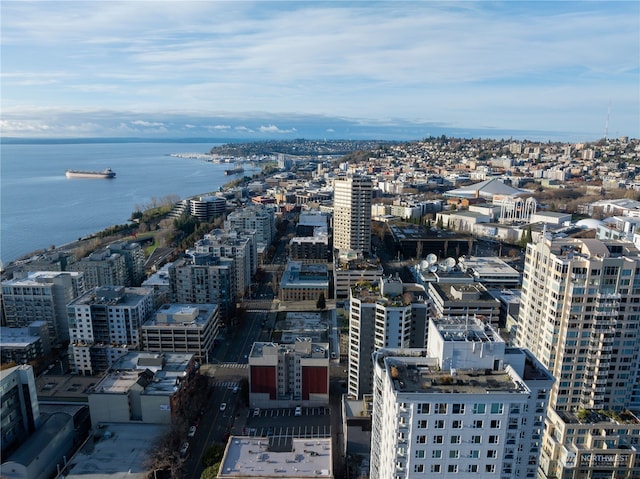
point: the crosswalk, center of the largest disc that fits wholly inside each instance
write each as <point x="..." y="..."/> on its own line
<point x="232" y="365"/>
<point x="226" y="384"/>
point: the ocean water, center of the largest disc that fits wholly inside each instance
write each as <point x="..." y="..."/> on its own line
<point x="40" y="207"/>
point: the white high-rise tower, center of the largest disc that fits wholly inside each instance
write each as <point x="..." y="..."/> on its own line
<point x="352" y="214"/>
<point x="580" y="316"/>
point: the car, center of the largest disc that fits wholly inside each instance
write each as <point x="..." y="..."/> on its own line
<point x="184" y="449"/>
<point x="298" y="411"/>
<point x="192" y="431"/>
<point x="235" y="390"/>
<point x="256" y="411"/>
<point x="223" y="406"/>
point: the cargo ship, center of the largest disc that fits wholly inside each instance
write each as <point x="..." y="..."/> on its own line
<point x="234" y="171"/>
<point x="108" y="173"/>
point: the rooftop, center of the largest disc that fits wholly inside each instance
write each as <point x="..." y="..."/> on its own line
<point x="277" y="457"/>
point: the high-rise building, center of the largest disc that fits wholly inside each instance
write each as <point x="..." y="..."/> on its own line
<point x="389" y="314"/>
<point x="237" y="244"/>
<point x="20" y="409"/>
<point x="579" y="315"/>
<point x="259" y="218"/>
<point x="134" y="260"/>
<point x="104" y="325"/>
<point x="102" y="268"/>
<point x="204" y="278"/>
<point x="352" y="213"/>
<point x="42" y="295"/>
<point x="465" y="407"/>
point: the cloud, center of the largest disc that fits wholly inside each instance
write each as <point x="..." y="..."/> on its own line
<point x="147" y="123"/>
<point x="274" y="129"/>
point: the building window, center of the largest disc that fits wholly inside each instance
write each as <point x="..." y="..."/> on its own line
<point x="457" y="408"/>
<point x="421" y="439"/>
<point x="497" y="408"/>
<point x="490" y="468"/>
<point x="456" y="440"/>
<point x="479" y="408"/>
<point x="452" y="468"/>
<point x="456" y="424"/>
<point x="492" y="453"/>
<point x="495" y="424"/>
<point x="438" y="439"/>
<point x="472" y="468"/>
<point x="478" y="424"/>
<point x="454" y="454"/>
<point x="420" y="454"/>
<point x="418" y="468"/>
<point x="436" y="454"/>
<point x="493" y="439"/>
<point x="423" y="408"/>
<point x="440" y="408"/>
<point x="476" y="439"/>
<point x="435" y="467"/>
<point x="422" y="424"/>
<point x="439" y="424"/>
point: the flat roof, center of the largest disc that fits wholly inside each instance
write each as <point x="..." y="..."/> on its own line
<point x="420" y="375"/>
<point x="488" y="267"/>
<point x="277" y="457"/>
<point x="123" y="451"/>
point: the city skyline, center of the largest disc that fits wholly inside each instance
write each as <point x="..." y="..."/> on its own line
<point x="258" y="70"/>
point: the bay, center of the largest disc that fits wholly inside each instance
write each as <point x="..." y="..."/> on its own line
<point x="40" y="207"/>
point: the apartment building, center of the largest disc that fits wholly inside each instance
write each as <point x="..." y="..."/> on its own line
<point x="579" y="315"/>
<point x="102" y="268"/>
<point x="352" y="213"/>
<point x="240" y="246"/>
<point x="387" y="314"/>
<point x="20" y="411"/>
<point x="42" y="295"/>
<point x="202" y="278"/>
<point x="466" y="406"/>
<point x="259" y="218"/>
<point x="134" y="260"/>
<point x="104" y="324"/>
<point x="287" y="375"/>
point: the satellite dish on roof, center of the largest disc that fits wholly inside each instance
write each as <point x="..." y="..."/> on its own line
<point x="449" y="262"/>
<point x="433" y="268"/>
<point x="424" y="264"/>
<point x="432" y="258"/>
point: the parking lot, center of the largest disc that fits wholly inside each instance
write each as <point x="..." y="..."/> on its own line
<point x="312" y="422"/>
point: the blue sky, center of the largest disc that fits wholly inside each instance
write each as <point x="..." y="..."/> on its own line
<point x="325" y="69"/>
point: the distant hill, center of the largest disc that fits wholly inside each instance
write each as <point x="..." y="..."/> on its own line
<point x="300" y="147"/>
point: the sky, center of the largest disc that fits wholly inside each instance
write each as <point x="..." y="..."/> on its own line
<point x="317" y="69"/>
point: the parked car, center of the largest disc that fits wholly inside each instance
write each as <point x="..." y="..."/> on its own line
<point x="256" y="411"/>
<point x="223" y="406"/>
<point x="192" y="431"/>
<point x="184" y="449"/>
<point x="298" y="411"/>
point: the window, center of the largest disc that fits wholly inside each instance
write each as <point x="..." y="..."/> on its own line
<point x="422" y="424"/>
<point x="418" y="468"/>
<point x="492" y="453"/>
<point x="456" y="440"/>
<point x="475" y="454"/>
<point x="476" y="439"/>
<point x="473" y="468"/>
<point x="440" y="408"/>
<point x="452" y="468"/>
<point x="478" y="423"/>
<point x="423" y="408"/>
<point x="436" y="454"/>
<point x="497" y="408"/>
<point x="454" y="454"/>
<point x="420" y="454"/>
<point x="438" y="439"/>
<point x="490" y="468"/>
<point x="457" y="408"/>
<point x="493" y="439"/>
<point x="479" y="408"/>
<point x="495" y="424"/>
<point x="421" y="439"/>
<point x="456" y="424"/>
<point x="439" y="424"/>
<point x="435" y="467"/>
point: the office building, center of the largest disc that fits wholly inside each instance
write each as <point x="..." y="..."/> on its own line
<point x="143" y="388"/>
<point x="304" y="282"/>
<point x="455" y="300"/>
<point x="104" y="324"/>
<point x="465" y="407"/>
<point x="288" y="375"/>
<point x="42" y="295"/>
<point x="207" y="207"/>
<point x="352" y="213"/>
<point x="182" y="328"/>
<point x="579" y="316"/>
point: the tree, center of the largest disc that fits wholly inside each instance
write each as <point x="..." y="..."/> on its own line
<point x="321" y="303"/>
